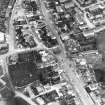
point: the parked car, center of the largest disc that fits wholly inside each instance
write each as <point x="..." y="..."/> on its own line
<point x="4" y="48"/>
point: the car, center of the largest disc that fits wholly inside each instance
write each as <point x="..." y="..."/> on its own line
<point x="4" y="48"/>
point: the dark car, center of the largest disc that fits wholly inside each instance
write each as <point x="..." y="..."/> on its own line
<point x="4" y="48"/>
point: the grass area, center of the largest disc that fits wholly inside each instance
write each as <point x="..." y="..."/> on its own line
<point x="23" y="74"/>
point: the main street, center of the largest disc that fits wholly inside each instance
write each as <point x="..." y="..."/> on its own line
<point x="69" y="66"/>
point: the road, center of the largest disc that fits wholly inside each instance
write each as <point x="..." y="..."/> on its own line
<point x="25" y="98"/>
<point x="11" y="34"/>
<point x="69" y="70"/>
<point x="69" y="67"/>
<point x="49" y="23"/>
